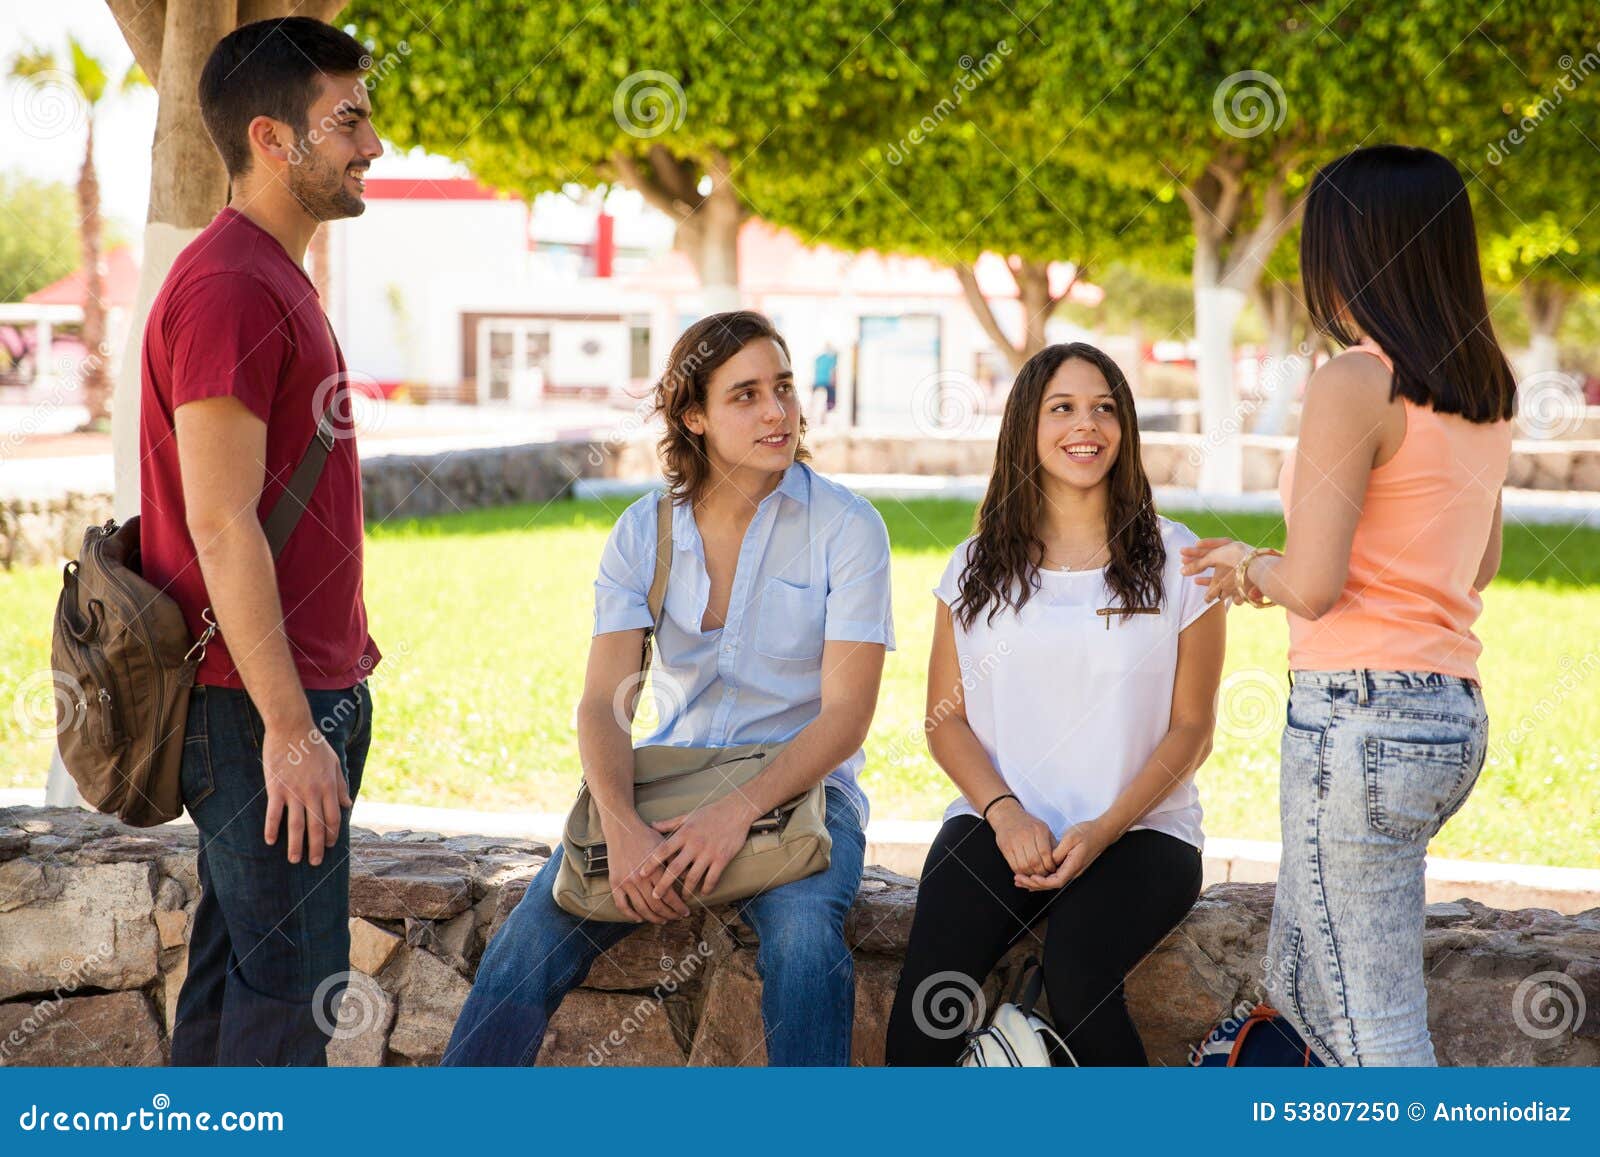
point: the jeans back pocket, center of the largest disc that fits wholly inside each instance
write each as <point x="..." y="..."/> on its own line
<point x="1414" y="785"/>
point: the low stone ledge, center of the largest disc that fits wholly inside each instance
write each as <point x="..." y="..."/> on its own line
<point x="94" y="917"/>
<point x="45" y="530"/>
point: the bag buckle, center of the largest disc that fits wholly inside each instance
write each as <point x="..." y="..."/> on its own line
<point x="198" y="651"/>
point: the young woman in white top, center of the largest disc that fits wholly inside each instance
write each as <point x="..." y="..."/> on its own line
<point x="1071" y="697"/>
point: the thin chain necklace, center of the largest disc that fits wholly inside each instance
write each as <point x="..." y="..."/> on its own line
<point x="1048" y="564"/>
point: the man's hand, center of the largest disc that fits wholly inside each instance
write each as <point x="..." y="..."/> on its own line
<point x="701" y="844"/>
<point x="631" y="847"/>
<point x="303" y="777"/>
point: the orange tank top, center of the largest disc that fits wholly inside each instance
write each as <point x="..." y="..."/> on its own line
<point x="1409" y="603"/>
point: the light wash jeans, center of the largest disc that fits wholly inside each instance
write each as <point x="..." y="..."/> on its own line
<point x="808" y="980"/>
<point x="1374" y="763"/>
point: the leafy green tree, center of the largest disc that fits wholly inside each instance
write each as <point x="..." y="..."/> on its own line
<point x="1233" y="107"/>
<point x="82" y="78"/>
<point x="38" y="234"/>
<point x="697" y="112"/>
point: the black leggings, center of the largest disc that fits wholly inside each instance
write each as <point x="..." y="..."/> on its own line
<point x="1101" y="925"/>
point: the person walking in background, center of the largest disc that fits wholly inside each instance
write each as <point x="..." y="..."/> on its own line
<point x="825" y="377"/>
<point x="239" y="368"/>
<point x="1071" y="697"/>
<point x="1392" y="500"/>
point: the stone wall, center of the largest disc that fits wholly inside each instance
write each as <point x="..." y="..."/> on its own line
<point x="46" y="530"/>
<point x="94" y="916"/>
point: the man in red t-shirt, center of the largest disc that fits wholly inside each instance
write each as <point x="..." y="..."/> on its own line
<point x="239" y="365"/>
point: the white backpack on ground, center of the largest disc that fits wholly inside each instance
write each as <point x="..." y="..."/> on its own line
<point x="1016" y="1036"/>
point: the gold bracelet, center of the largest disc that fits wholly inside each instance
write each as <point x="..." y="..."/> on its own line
<point x="1241" y="575"/>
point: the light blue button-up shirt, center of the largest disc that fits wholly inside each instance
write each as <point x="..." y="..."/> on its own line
<point x="814" y="566"/>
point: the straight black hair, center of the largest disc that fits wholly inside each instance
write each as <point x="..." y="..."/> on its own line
<point x="270" y="68"/>
<point x="1388" y="245"/>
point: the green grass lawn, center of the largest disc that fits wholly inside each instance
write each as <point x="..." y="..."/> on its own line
<point x="484" y="620"/>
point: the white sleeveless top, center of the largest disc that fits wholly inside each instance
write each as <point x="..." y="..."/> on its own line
<point x="1068" y="704"/>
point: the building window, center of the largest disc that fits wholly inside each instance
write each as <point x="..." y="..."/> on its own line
<point x="638" y="348"/>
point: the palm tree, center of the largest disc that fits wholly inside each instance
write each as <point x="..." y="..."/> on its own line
<point x="39" y="67"/>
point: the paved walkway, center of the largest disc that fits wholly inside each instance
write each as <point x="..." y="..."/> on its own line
<point x="1577" y="507"/>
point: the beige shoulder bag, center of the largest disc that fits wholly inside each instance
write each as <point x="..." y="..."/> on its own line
<point x="788" y="843"/>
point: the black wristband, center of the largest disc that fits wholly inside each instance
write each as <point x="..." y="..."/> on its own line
<point x="994" y="801"/>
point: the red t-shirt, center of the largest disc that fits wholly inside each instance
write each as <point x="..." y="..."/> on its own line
<point x="237" y="317"/>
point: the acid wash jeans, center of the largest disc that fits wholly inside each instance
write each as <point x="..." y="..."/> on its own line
<point x="1374" y="763"/>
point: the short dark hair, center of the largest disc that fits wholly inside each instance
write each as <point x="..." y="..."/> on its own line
<point x="1388" y="240"/>
<point x="270" y="68"/>
<point x="701" y="350"/>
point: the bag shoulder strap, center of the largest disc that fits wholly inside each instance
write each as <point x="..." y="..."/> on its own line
<point x="285" y="514"/>
<point x="657" y="598"/>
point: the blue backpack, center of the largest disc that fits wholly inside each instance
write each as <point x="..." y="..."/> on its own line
<point x="1264" y="1039"/>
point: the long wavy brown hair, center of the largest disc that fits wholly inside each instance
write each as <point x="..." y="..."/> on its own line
<point x="1002" y="569"/>
<point x="695" y="356"/>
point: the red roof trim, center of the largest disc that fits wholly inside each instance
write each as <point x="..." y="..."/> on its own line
<point x="429" y="189"/>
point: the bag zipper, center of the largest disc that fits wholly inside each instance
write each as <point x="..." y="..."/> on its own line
<point x="105" y="711"/>
<point x="143" y="636"/>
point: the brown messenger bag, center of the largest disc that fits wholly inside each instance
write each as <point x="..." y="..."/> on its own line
<point x="788" y="843"/>
<point x="124" y="660"/>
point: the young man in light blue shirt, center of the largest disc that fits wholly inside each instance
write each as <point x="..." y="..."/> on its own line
<point x="775" y="625"/>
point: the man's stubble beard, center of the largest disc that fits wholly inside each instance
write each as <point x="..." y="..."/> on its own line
<point x="319" y="188"/>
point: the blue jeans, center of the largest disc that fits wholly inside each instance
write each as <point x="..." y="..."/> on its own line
<point x="267" y="934"/>
<point x="808" y="980"/>
<point x="1374" y="763"/>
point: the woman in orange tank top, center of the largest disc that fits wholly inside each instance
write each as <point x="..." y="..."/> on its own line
<point x="1392" y="501"/>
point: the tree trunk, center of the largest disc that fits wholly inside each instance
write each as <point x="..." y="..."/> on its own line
<point x="1544" y="303"/>
<point x="1033" y="293"/>
<point x="1286" y="366"/>
<point x="96" y="381"/>
<point x="1228" y="263"/>
<point x="1136" y="365"/>
<point x="709" y="234"/>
